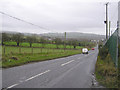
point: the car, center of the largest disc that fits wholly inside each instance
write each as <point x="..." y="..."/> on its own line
<point x="85" y="51"/>
<point x="93" y="48"/>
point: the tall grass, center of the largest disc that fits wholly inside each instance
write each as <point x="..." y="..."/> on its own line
<point x="106" y="72"/>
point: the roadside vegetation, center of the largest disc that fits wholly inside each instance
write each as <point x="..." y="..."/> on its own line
<point x="106" y="72"/>
<point x="119" y="65"/>
<point x="19" y="49"/>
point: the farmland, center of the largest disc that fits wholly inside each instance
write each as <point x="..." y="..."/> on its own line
<point x="13" y="57"/>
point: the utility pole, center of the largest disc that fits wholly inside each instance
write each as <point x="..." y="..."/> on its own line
<point x="109" y="28"/>
<point x="111" y="32"/>
<point x="106" y="21"/>
<point x="117" y="44"/>
<point x="65" y="42"/>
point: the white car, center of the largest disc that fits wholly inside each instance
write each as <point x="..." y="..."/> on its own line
<point x="85" y="51"/>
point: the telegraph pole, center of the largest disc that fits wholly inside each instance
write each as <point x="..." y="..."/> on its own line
<point x="65" y="42"/>
<point x="117" y="44"/>
<point x="109" y="28"/>
<point x="106" y="21"/>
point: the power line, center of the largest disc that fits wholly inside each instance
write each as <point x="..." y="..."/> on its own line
<point x="25" y="21"/>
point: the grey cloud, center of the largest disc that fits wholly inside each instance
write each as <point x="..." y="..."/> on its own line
<point x="59" y="16"/>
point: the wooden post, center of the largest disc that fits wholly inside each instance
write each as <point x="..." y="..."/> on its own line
<point x="4" y="50"/>
<point x="48" y="50"/>
<point x="106" y="21"/>
<point x="41" y="49"/>
<point x="20" y="49"/>
<point x="32" y="50"/>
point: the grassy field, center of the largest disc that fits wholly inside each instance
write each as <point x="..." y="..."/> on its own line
<point x="25" y="44"/>
<point x="13" y="57"/>
<point x="25" y="50"/>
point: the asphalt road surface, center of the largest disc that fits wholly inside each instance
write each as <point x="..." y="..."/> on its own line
<point x="68" y="72"/>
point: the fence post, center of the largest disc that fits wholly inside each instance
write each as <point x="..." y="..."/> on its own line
<point x="53" y="49"/>
<point x="20" y="49"/>
<point x="4" y="50"/>
<point x="32" y="50"/>
<point x="47" y="50"/>
<point x="41" y="49"/>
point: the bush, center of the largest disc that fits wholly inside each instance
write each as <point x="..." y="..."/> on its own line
<point x="100" y="46"/>
<point x="103" y="52"/>
<point x="106" y="73"/>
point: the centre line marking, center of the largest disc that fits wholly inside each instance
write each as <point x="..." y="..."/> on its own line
<point x="67" y="62"/>
<point x="37" y="75"/>
<point x="12" y="85"/>
<point x="29" y="78"/>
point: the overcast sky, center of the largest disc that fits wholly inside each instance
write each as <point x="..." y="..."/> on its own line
<point x="58" y="15"/>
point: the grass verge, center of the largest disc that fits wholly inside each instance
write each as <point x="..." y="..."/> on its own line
<point x="17" y="59"/>
<point x="106" y="72"/>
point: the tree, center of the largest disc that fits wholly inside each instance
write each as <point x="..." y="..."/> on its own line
<point x="69" y="43"/>
<point x="43" y="42"/>
<point x="57" y="41"/>
<point x="74" y="43"/>
<point x="5" y="38"/>
<point x="31" y="40"/>
<point x="18" y="38"/>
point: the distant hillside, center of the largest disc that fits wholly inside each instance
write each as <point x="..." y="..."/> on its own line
<point x="75" y="35"/>
<point x="70" y="35"/>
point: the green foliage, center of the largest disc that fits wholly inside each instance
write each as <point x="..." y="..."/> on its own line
<point x="106" y="73"/>
<point x="100" y="45"/>
<point x="57" y="41"/>
<point x="45" y="45"/>
<point x="103" y="52"/>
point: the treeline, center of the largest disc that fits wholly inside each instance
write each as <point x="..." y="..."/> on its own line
<point x="20" y="38"/>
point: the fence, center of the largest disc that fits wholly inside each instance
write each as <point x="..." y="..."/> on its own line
<point x="112" y="45"/>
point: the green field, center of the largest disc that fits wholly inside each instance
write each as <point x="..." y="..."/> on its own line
<point x="25" y="44"/>
<point x="13" y="56"/>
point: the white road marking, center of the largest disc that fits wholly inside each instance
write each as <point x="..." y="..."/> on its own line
<point x="29" y="79"/>
<point x="37" y="75"/>
<point x="67" y="62"/>
<point x="13" y="85"/>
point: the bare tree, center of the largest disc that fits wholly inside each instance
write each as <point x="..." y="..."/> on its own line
<point x="18" y="38"/>
<point x="58" y="41"/>
<point x="43" y="42"/>
<point x="31" y="40"/>
<point x="5" y="38"/>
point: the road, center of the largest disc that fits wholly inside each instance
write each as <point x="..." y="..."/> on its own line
<point x="68" y="72"/>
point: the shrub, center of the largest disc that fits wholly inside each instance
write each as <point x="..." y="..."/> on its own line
<point x="103" y="52"/>
<point x="106" y="73"/>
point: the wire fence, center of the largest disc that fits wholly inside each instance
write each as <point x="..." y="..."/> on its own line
<point x="112" y="45"/>
<point x="6" y="50"/>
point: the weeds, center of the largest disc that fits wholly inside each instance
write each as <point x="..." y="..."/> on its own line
<point x="106" y="73"/>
